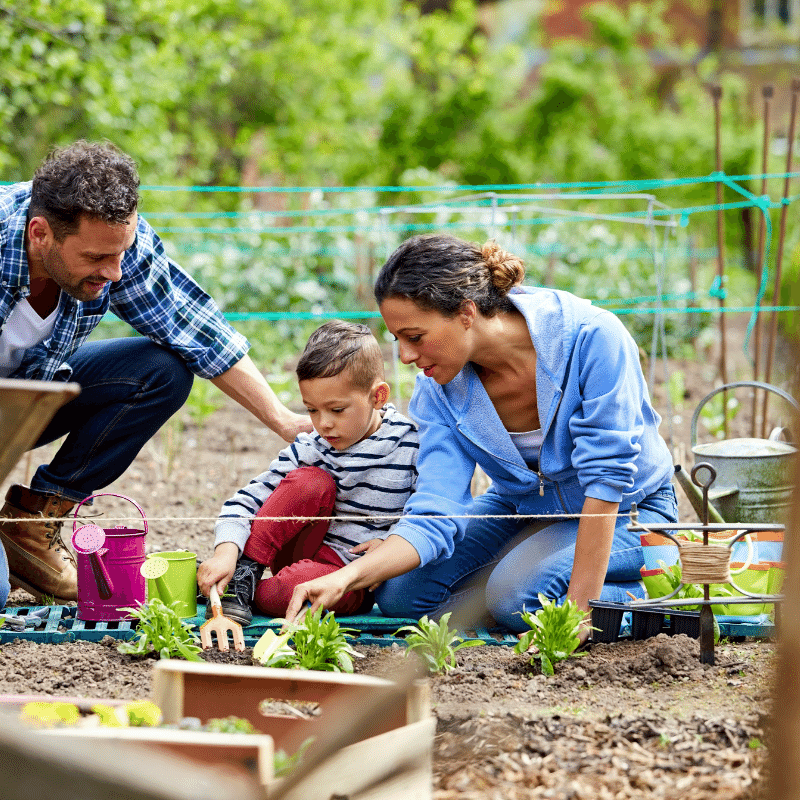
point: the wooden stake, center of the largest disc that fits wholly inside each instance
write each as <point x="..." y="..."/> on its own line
<point x="766" y="93"/>
<point x="776" y="294"/>
<point x="716" y="94"/>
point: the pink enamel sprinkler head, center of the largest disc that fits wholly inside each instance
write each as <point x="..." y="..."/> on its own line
<point x="89" y="540"/>
<point x="154" y="569"/>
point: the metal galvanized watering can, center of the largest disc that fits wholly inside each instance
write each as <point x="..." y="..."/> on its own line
<point x="109" y="564"/>
<point x="754" y="476"/>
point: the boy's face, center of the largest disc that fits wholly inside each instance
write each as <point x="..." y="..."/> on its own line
<point x="340" y="412"/>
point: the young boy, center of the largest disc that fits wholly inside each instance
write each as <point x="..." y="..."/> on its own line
<point x="359" y="461"/>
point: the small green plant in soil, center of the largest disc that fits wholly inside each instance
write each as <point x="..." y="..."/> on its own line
<point x="317" y="643"/>
<point x="554" y="632"/>
<point x="434" y="643"/>
<point x="160" y="630"/>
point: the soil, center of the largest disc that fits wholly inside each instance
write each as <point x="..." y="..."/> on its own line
<point x="631" y="719"/>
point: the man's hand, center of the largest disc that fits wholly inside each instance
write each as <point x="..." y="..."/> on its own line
<point x="248" y="387"/>
<point x="218" y="569"/>
<point x="289" y="426"/>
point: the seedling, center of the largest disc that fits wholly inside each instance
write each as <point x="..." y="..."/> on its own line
<point x="319" y="643"/>
<point x="435" y="644"/>
<point x="554" y="632"/>
<point x="162" y="631"/>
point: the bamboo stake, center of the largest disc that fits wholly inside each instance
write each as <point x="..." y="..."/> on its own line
<point x="766" y="92"/>
<point x="776" y="293"/>
<point x="716" y="94"/>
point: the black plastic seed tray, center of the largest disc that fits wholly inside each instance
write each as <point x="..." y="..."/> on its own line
<point x="645" y="622"/>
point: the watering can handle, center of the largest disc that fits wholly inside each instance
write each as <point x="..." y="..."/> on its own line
<point x="108" y="494"/>
<point x="757" y="384"/>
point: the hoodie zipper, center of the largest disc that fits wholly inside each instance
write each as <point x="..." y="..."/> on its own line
<point x="539" y="466"/>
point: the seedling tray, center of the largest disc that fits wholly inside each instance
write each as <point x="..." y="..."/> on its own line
<point x="61" y="625"/>
<point x="652" y="620"/>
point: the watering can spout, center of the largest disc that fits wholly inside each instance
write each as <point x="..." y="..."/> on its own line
<point x="695" y="496"/>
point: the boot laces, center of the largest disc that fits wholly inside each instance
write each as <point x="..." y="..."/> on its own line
<point x="52" y="532"/>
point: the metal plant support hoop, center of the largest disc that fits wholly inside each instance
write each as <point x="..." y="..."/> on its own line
<point x="706" y="565"/>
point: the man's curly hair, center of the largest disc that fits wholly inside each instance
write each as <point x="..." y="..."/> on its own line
<point x="93" y="179"/>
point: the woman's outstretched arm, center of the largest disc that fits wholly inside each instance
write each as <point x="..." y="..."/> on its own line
<point x="394" y="557"/>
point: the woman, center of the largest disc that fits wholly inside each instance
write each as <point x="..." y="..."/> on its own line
<point x="546" y="394"/>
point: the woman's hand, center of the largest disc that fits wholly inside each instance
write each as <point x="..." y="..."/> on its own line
<point x="393" y="557"/>
<point x="366" y="547"/>
<point x="218" y="569"/>
<point x="322" y="592"/>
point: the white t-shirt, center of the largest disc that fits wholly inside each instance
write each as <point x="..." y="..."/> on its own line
<point x="529" y="443"/>
<point x="24" y="329"/>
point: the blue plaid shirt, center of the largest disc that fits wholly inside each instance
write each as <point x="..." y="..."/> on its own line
<point x="155" y="296"/>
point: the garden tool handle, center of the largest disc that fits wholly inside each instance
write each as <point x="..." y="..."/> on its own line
<point x="108" y="494"/>
<point x="757" y="384"/>
<point x="213" y="598"/>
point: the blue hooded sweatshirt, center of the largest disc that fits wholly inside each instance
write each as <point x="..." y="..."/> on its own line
<point x="600" y="430"/>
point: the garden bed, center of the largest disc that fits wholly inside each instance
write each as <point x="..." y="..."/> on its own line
<point x="630" y="719"/>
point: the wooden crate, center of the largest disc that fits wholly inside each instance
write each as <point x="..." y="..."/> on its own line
<point x="381" y="735"/>
<point x="206" y="690"/>
<point x="385" y="755"/>
<point x="245" y="757"/>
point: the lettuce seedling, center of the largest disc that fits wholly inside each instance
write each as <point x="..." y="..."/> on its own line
<point x="317" y="643"/>
<point x="554" y="632"/>
<point x="434" y="643"/>
<point x="161" y="630"/>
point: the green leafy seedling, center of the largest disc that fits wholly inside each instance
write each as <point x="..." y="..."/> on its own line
<point x="320" y="643"/>
<point x="283" y="764"/>
<point x="317" y="643"/>
<point x="161" y="630"/>
<point x="230" y="725"/>
<point x="434" y="643"/>
<point x="554" y="632"/>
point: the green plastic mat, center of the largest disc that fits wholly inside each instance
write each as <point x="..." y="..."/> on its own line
<point x="62" y="625"/>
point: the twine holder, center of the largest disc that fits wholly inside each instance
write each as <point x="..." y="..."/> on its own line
<point x="705" y="563"/>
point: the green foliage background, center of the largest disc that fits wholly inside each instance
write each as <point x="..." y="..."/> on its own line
<point x="363" y="93"/>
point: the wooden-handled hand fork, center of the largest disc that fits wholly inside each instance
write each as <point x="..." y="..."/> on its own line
<point x="220" y="625"/>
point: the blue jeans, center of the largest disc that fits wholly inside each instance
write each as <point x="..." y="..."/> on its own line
<point x="129" y="389"/>
<point x="510" y="561"/>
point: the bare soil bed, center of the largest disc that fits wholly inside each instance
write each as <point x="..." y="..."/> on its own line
<point x="627" y="720"/>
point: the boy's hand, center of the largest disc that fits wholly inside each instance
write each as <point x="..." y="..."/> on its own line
<point x="365" y="547"/>
<point x="218" y="569"/>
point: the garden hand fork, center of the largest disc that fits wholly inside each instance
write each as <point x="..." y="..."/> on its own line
<point x="220" y="625"/>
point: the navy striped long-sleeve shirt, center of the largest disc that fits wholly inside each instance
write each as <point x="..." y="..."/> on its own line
<point x="374" y="477"/>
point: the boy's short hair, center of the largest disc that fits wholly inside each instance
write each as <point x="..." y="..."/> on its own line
<point x="336" y="346"/>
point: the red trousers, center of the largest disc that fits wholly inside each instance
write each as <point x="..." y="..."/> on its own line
<point x="293" y="549"/>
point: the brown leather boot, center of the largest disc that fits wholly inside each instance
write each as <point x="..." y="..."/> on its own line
<point x="38" y="559"/>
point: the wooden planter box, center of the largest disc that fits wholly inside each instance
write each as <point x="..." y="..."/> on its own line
<point x="396" y="740"/>
<point x="387" y="756"/>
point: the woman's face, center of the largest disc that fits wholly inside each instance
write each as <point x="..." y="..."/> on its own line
<point x="438" y="345"/>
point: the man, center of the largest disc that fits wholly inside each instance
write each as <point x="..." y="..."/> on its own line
<point x="73" y="247"/>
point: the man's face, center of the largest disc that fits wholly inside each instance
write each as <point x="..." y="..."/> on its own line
<point x="86" y="261"/>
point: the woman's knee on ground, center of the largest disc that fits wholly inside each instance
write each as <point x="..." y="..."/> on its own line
<point x="400" y="597"/>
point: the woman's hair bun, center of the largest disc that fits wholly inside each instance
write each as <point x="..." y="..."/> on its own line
<point x="506" y="269"/>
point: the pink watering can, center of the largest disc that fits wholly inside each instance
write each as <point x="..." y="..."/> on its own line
<point x="109" y="564"/>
